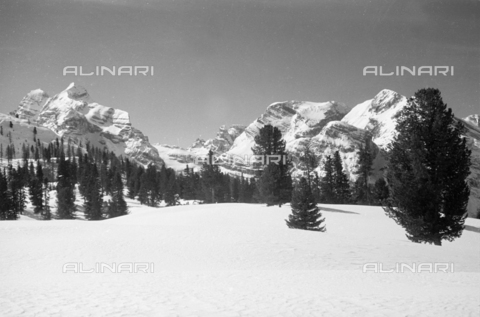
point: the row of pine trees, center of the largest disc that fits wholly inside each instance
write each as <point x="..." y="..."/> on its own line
<point x="96" y="173"/>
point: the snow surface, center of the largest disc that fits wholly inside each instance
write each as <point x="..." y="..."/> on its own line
<point x="233" y="260"/>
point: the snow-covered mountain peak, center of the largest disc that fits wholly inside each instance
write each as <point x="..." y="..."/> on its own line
<point x="73" y="114"/>
<point x="385" y="99"/>
<point x="473" y="119"/>
<point x="38" y="94"/>
<point x="78" y="93"/>
<point x="224" y="139"/>
<point x="377" y="116"/>
<point x="31" y="104"/>
<point x="198" y="143"/>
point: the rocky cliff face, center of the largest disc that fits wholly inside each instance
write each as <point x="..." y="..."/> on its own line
<point x="73" y="114"/>
<point x="348" y="140"/>
<point x="224" y="139"/>
<point x="295" y="119"/>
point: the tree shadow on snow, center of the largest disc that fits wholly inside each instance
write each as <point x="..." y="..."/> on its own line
<point x="472" y="228"/>
<point x="338" y="210"/>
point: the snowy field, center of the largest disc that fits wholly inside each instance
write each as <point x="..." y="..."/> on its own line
<point x="233" y="260"/>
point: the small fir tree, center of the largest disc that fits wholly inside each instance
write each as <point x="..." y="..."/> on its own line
<point x="305" y="213"/>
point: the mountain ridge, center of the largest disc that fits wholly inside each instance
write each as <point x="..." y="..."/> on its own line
<point x="73" y="114"/>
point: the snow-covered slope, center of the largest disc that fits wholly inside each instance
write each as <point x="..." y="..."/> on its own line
<point x="73" y="114"/>
<point x="21" y="133"/>
<point x="233" y="260"/>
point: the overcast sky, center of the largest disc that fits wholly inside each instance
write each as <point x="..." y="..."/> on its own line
<point x="224" y="61"/>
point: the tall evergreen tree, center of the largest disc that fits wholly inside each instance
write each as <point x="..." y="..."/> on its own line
<point x="65" y="190"/>
<point x="118" y="206"/>
<point x="309" y="162"/>
<point x="93" y="202"/>
<point x="235" y="189"/>
<point x="17" y="183"/>
<point x="305" y="213"/>
<point x="171" y="198"/>
<point x="275" y="181"/>
<point x="341" y="184"/>
<point x="36" y="190"/>
<point x="427" y="170"/>
<point x="7" y="210"/>
<point x="211" y="182"/>
<point x="327" y="184"/>
<point x="268" y="185"/>
<point x="46" y="214"/>
<point x="365" y="166"/>
<point x="380" y="191"/>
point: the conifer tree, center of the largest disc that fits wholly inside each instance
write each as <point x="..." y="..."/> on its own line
<point x="93" y="202"/>
<point x="143" y="190"/>
<point x="17" y="183"/>
<point x="211" y="182"/>
<point x="118" y="206"/>
<point x="85" y="177"/>
<point x="242" y="188"/>
<point x="341" y="185"/>
<point x="235" y="189"/>
<point x="65" y="190"/>
<point x="275" y="181"/>
<point x="305" y="213"/>
<point x="7" y="210"/>
<point x="36" y="190"/>
<point x="46" y="214"/>
<point x="188" y="184"/>
<point x="427" y="170"/>
<point x="268" y="185"/>
<point x="328" y="182"/>
<point x="104" y="179"/>
<point x="380" y="191"/>
<point x="171" y="190"/>
<point x="316" y="186"/>
<point x="365" y="163"/>
<point x="309" y="161"/>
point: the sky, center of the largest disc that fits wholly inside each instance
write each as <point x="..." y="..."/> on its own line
<point x="222" y="62"/>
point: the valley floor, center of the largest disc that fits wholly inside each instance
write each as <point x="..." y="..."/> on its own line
<point x="233" y="260"/>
